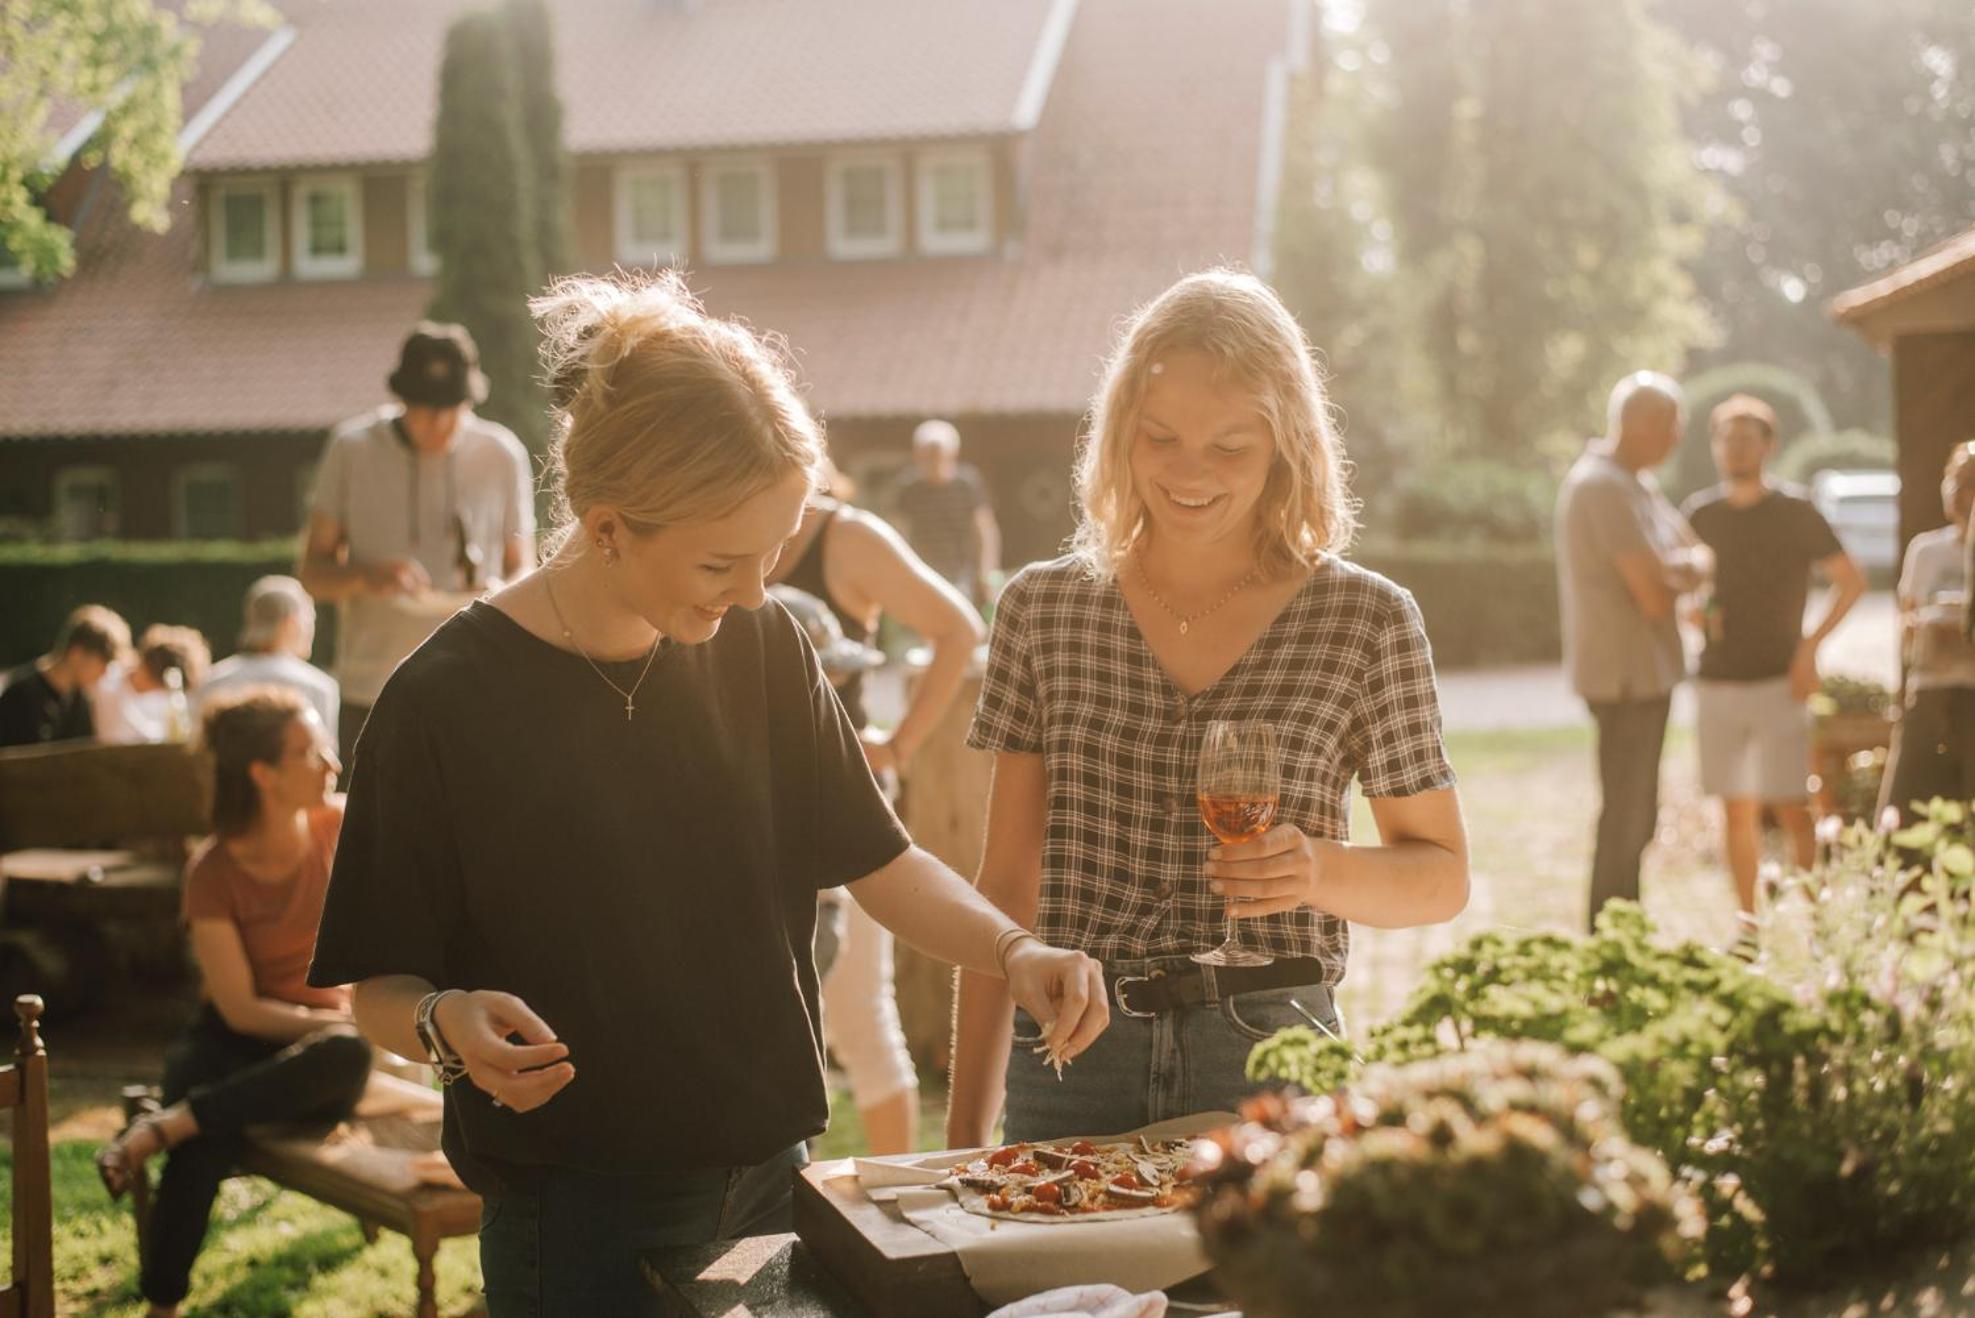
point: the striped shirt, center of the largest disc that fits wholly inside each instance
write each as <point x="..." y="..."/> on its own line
<point x="1343" y="672"/>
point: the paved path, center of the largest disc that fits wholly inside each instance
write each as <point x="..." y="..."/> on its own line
<point x="1537" y="696"/>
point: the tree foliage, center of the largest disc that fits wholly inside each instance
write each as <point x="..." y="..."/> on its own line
<point x="532" y="42"/>
<point x="483" y="225"/>
<point x="126" y="59"/>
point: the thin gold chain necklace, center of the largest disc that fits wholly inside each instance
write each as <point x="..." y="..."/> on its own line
<point x="631" y="696"/>
<point x="1186" y="620"/>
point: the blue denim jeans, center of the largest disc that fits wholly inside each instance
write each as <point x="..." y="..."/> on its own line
<point x="1140" y="1071"/>
<point x="572" y="1243"/>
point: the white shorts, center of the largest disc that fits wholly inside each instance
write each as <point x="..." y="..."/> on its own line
<point x="1755" y="741"/>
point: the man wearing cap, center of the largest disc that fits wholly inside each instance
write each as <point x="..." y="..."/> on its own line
<point x="277" y="633"/>
<point x="417" y="505"/>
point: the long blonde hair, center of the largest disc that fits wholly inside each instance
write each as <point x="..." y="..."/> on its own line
<point x="662" y="411"/>
<point x="1306" y="508"/>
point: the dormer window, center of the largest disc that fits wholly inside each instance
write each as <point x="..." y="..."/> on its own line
<point x="242" y="230"/>
<point x="650" y="202"/>
<point x="865" y="196"/>
<point x="737" y="212"/>
<point x="327" y="227"/>
<point x="956" y="202"/>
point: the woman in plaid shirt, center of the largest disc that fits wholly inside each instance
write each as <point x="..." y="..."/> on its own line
<point x="1204" y="584"/>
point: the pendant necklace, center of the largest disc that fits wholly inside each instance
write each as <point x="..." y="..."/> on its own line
<point x="631" y="696"/>
<point x="1186" y="620"/>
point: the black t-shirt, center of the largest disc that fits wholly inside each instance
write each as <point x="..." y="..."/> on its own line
<point x="33" y="711"/>
<point x="647" y="887"/>
<point x="1763" y="556"/>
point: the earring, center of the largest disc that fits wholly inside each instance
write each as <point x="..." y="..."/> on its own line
<point x="609" y="553"/>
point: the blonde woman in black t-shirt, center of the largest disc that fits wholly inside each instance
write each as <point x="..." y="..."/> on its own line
<point x="588" y="820"/>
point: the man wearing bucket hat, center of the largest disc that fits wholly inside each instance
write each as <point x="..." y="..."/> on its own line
<point x="417" y="504"/>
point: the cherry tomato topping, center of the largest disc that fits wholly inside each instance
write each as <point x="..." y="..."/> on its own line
<point x="1025" y="1169"/>
<point x="1084" y="1147"/>
<point x="1085" y="1168"/>
<point x="1002" y="1157"/>
<point x="1127" y="1181"/>
<point x="1049" y="1194"/>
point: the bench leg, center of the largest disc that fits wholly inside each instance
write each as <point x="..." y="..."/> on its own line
<point x="428" y="1300"/>
<point x="369" y="1229"/>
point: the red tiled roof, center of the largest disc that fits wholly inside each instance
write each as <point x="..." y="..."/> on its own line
<point x="1945" y="261"/>
<point x="359" y="86"/>
<point x="1143" y="166"/>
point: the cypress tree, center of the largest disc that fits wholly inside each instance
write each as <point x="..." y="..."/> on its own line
<point x="532" y="40"/>
<point x="482" y="220"/>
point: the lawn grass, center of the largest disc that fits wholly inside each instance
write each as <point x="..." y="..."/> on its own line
<point x="1530" y="799"/>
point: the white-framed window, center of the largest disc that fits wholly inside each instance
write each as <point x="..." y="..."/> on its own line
<point x="243" y="224"/>
<point x="649" y="200"/>
<point x="956" y="201"/>
<point x="419" y="256"/>
<point x="864" y="200"/>
<point x="205" y="502"/>
<point x="87" y="503"/>
<point x="737" y="211"/>
<point x="325" y="222"/>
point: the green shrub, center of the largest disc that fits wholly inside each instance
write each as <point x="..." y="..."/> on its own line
<point x="1470" y="501"/>
<point x="1490" y="1181"/>
<point x="1817" y="1100"/>
<point x="1483" y="603"/>
<point x="1848" y="450"/>
<point x="198" y="583"/>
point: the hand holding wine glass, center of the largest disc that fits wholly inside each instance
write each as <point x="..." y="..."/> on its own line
<point x="1239" y="782"/>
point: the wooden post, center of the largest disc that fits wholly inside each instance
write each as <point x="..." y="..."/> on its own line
<point x="32" y="1291"/>
<point x="946" y="791"/>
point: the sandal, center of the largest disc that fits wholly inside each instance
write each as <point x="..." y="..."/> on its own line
<point x="114" y="1166"/>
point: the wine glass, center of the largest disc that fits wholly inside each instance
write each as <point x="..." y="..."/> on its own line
<point x="1238" y="784"/>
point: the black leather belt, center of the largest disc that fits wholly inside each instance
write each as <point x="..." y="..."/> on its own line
<point x="1165" y="990"/>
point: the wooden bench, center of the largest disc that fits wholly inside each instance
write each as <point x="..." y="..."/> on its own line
<point x="30" y="1291"/>
<point x="363" y="1166"/>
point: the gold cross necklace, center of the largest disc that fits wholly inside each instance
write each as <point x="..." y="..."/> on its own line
<point x="1186" y="620"/>
<point x="631" y="696"/>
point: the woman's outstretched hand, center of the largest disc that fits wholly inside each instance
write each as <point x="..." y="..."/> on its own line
<point x="482" y="1027"/>
<point x="1063" y="990"/>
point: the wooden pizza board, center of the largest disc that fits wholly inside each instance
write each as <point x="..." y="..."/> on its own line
<point x="893" y="1268"/>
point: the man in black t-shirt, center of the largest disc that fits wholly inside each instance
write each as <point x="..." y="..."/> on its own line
<point x="48" y="699"/>
<point x="1758" y="667"/>
<point x="948" y="519"/>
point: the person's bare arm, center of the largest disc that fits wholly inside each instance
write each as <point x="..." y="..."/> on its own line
<point x="1416" y="875"/>
<point x="989" y="530"/>
<point x="1847" y="585"/>
<point x="1011" y="878"/>
<point x="330" y="574"/>
<point x="880" y="570"/>
<point x="229" y="981"/>
<point x="481" y="1026"/>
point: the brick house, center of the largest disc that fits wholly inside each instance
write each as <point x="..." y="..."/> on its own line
<point x="944" y="207"/>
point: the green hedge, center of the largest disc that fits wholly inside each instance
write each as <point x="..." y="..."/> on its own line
<point x="197" y="583"/>
<point x="1483" y="604"/>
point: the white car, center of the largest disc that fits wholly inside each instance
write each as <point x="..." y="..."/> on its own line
<point x="1863" y="507"/>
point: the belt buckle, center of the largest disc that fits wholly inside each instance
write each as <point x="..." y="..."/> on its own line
<point x="1118" y="994"/>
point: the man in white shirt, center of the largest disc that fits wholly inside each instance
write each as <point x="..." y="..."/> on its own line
<point x="1624" y="556"/>
<point x="418" y="507"/>
<point x="277" y="633"/>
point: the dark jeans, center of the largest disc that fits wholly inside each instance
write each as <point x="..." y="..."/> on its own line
<point x="1631" y="734"/>
<point x="1933" y="750"/>
<point x="570" y="1242"/>
<point x="232" y="1081"/>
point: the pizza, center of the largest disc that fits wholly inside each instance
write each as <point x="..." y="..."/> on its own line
<point x="1077" y="1180"/>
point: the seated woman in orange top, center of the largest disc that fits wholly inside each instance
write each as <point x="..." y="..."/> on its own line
<point x="265" y="1046"/>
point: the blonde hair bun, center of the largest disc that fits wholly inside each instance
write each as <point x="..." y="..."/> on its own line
<point x="662" y="411"/>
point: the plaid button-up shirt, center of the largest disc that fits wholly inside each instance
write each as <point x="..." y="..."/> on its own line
<point x="1345" y="675"/>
